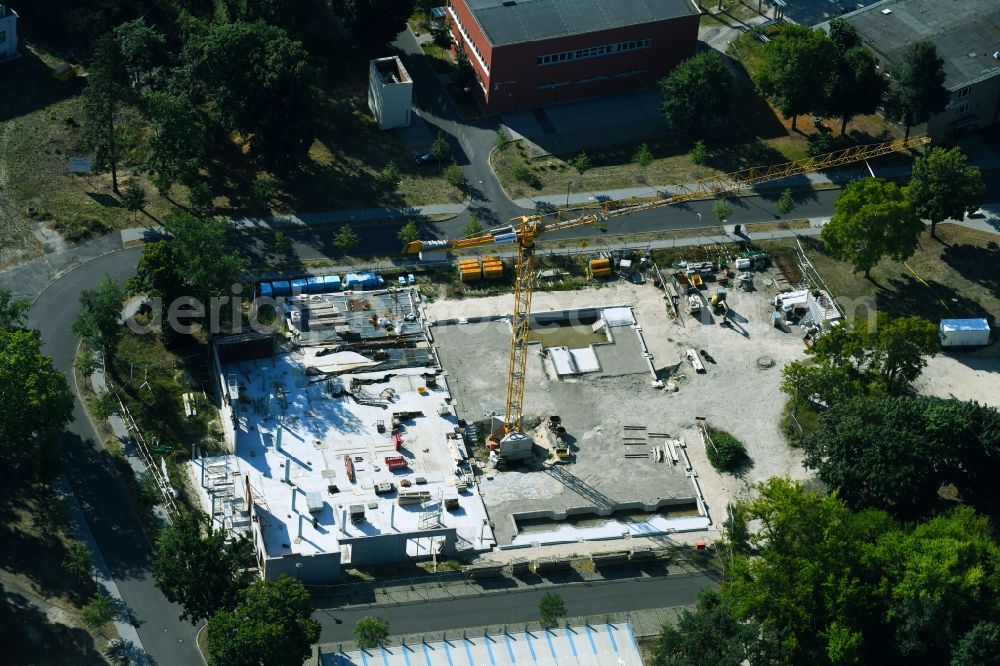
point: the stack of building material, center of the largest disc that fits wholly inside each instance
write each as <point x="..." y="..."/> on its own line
<point x="600" y="267"/>
<point x="470" y="270"/>
<point x="492" y="268"/>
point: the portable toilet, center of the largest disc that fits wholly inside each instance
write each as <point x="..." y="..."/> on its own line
<point x="331" y="283"/>
<point x="410" y="279"/>
<point x="314" y="285"/>
<point x="265" y="290"/>
<point x="281" y="288"/>
<point x="299" y="286"/>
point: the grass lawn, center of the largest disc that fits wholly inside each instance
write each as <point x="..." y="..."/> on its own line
<point x="40" y="127"/>
<point x="158" y="408"/>
<point x="758" y="136"/>
<point x="955" y="276"/>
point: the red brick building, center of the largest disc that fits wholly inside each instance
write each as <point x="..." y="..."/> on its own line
<point x="528" y="53"/>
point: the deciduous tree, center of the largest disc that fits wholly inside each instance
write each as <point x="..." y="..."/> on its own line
<point x="980" y="646"/>
<point x="581" y="163"/>
<point x="13" y="311"/>
<point x="918" y="91"/>
<point x="440" y="148"/>
<point x="823" y="382"/>
<point x="98" y="612"/>
<point x="99" y="321"/>
<point x="786" y="203"/>
<point x="710" y="635"/>
<point x="266" y="94"/>
<point x="872" y="220"/>
<point x="346" y="239"/>
<point x="798" y="67"/>
<point x="942" y="186"/>
<point x="143" y="49"/>
<point x="945" y="579"/>
<point x="198" y="568"/>
<point x="408" y="233"/>
<point x="271" y="626"/>
<point x="134" y="198"/>
<point x="807" y="581"/>
<point x="698" y="92"/>
<point x="473" y="226"/>
<point x="858" y="86"/>
<point x="876" y="453"/>
<point x="79" y="560"/>
<point x="900" y="348"/>
<point x="178" y="140"/>
<point x="374" y="22"/>
<point x="37" y="401"/>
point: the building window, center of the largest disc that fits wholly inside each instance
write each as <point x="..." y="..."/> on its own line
<point x="964" y="92"/>
<point x="594" y="51"/>
<point x="468" y="40"/>
<point x="962" y="109"/>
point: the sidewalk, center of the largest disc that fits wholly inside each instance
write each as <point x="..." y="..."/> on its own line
<point x="306" y="220"/>
<point x="102" y="576"/>
<point x="813" y="179"/>
<point x="123" y="624"/>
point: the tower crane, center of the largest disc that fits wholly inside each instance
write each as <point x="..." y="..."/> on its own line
<point x="524" y="230"/>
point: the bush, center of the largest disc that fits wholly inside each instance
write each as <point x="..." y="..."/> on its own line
<point x="453" y="175"/>
<point x="786" y="204"/>
<point x="522" y="172"/>
<point x="725" y="452"/>
<point x="371" y="631"/>
<point x="699" y="154"/>
<point x="822" y="144"/>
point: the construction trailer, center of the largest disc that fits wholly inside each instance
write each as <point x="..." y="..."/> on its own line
<point x="964" y="333"/>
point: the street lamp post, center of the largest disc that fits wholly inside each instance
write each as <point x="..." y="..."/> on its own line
<point x="298" y="571"/>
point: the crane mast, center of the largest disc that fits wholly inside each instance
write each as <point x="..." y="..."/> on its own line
<point x="521" y="326"/>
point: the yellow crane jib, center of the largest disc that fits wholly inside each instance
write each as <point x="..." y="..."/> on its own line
<point x="509" y="438"/>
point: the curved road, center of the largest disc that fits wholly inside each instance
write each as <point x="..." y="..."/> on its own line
<point x="95" y="482"/>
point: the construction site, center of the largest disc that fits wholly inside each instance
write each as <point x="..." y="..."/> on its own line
<point x="375" y="427"/>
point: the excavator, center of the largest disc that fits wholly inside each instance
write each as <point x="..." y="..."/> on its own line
<point x="524" y="230"/>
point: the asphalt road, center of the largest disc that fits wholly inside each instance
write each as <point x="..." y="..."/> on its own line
<point x="115" y="526"/>
<point x="519" y="607"/>
<point x="381" y="239"/>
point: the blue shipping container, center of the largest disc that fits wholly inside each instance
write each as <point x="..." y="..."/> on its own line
<point x="332" y="282"/>
<point x="265" y="289"/>
<point x="281" y="288"/>
<point x="314" y="285"/>
<point x="299" y="286"/>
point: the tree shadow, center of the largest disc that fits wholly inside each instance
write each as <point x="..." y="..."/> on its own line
<point x="29" y="637"/>
<point x="31" y="519"/>
<point x="29" y="86"/>
<point x="904" y="295"/>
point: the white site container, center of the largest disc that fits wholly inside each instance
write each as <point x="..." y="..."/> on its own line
<point x="964" y="333"/>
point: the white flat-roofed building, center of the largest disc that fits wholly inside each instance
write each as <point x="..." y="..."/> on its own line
<point x="390" y="92"/>
<point x="332" y="470"/>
